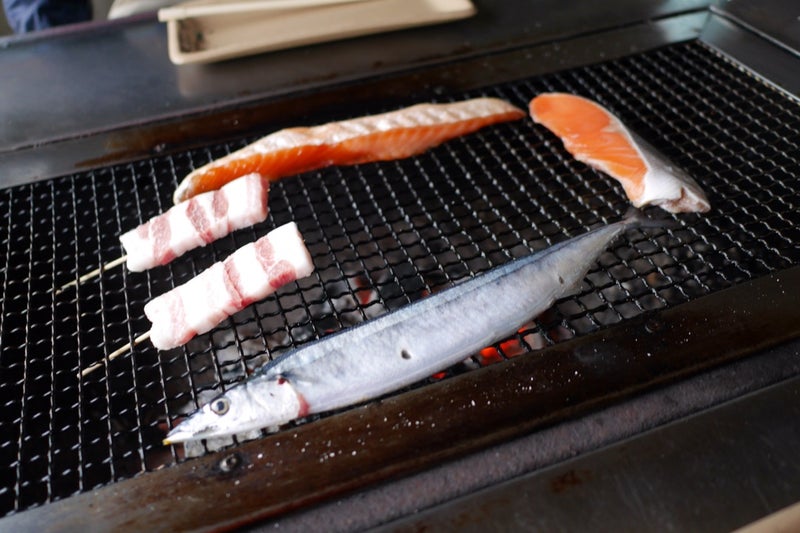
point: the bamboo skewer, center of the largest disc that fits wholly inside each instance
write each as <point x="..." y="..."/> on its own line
<point x="94" y="273"/>
<point x="116" y="353"/>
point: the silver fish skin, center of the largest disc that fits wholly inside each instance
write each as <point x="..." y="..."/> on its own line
<point x="405" y="345"/>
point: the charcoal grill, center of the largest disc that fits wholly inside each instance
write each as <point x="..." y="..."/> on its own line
<point x="661" y="306"/>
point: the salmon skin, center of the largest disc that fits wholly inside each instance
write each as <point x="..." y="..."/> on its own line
<point x="403" y="346"/>
<point x="398" y="134"/>
<point x="593" y="135"/>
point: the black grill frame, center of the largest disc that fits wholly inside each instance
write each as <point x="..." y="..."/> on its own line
<point x="749" y="234"/>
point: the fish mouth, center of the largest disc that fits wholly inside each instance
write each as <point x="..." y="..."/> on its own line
<point x="180" y="435"/>
<point x="176" y="438"/>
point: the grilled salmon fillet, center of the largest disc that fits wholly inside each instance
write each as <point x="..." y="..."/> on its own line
<point x="593" y="135"/>
<point x="394" y="135"/>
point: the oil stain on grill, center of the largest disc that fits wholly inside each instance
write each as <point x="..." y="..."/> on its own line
<point x="381" y="235"/>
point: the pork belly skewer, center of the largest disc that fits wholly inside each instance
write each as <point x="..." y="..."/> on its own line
<point x="248" y="275"/>
<point x="388" y="136"/>
<point x="188" y="225"/>
<point x="593" y="135"/>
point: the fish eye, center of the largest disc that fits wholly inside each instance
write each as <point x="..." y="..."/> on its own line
<point x="220" y="406"/>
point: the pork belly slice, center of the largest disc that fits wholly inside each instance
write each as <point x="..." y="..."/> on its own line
<point x="250" y="274"/>
<point x="196" y="222"/>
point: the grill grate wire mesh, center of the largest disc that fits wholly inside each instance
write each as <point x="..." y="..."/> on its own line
<point x="381" y="235"/>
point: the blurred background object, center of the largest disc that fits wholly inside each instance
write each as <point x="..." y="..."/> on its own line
<point x="32" y="15"/>
<point x="62" y="12"/>
<point x="99" y="11"/>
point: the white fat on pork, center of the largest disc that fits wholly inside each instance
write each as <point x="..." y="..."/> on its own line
<point x="249" y="196"/>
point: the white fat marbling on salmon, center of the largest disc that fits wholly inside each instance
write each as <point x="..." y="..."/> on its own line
<point x="394" y="135"/>
<point x="417" y="116"/>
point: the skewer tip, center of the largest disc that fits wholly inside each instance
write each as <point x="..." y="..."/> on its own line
<point x="65" y="287"/>
<point x="89" y="369"/>
<point x="113" y="355"/>
<point x="92" y="274"/>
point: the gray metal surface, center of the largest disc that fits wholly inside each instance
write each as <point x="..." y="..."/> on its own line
<point x="162" y="92"/>
<point x="775" y="20"/>
<point x="598" y="472"/>
<point x="224" y="114"/>
<point x="78" y="83"/>
<point x="747" y="48"/>
<point x="715" y="471"/>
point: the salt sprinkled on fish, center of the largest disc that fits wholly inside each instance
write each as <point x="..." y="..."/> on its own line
<point x="403" y="346"/>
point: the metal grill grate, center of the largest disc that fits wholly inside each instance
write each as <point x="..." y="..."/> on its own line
<point x="380" y="235"/>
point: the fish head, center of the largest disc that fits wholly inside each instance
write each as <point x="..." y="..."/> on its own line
<point x="255" y="404"/>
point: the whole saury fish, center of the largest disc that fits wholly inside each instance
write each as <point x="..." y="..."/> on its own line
<point x="403" y="346"/>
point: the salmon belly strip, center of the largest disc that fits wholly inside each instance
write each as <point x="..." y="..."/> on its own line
<point x="593" y="135"/>
<point x="394" y="135"/>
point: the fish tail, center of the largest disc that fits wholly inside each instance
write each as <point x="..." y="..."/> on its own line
<point x="635" y="217"/>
